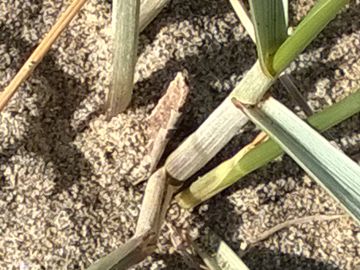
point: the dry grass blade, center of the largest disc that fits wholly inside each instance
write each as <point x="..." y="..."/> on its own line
<point x="38" y="54"/>
<point x="297" y="221"/>
<point x="132" y="252"/>
<point x="149" y="10"/>
<point x="156" y="201"/>
<point x="163" y="121"/>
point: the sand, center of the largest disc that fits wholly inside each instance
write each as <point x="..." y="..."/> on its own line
<point x="67" y="195"/>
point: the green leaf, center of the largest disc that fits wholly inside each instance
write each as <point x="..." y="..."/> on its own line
<point x="270" y="22"/>
<point x="257" y="155"/>
<point x="313" y="23"/>
<point x="330" y="167"/>
<point x="126" y="31"/>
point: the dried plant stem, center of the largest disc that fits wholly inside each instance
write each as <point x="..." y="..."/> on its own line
<point x="132" y="252"/>
<point x="156" y="201"/>
<point x="159" y="190"/>
<point x="217" y="130"/>
<point x="164" y="119"/>
<point x="40" y="51"/>
<point x="149" y="10"/>
<point x="201" y="146"/>
<point x="126" y="32"/>
<point x="288" y="223"/>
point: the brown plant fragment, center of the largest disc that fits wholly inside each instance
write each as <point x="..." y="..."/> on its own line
<point x="163" y="120"/>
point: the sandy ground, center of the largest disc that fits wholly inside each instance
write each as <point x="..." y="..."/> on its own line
<point x="66" y="192"/>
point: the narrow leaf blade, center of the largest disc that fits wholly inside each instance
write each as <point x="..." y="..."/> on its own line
<point x="270" y="24"/>
<point x="330" y="167"/>
<point x="244" y="17"/>
<point x="319" y="16"/>
<point x="126" y="30"/>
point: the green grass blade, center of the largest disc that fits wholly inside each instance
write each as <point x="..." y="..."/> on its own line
<point x="286" y="79"/>
<point x="126" y="30"/>
<point x="330" y="167"/>
<point x="270" y="24"/>
<point x="130" y="253"/>
<point x="313" y="23"/>
<point x="245" y="162"/>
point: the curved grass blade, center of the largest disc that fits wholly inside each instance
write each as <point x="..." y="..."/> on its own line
<point x="330" y="167"/>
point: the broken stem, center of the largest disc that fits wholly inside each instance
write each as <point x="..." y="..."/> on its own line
<point x="217" y="130"/>
<point x="156" y="201"/>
